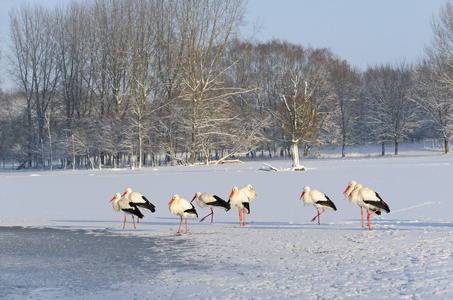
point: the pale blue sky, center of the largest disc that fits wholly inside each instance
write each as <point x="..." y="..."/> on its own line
<point x="364" y="32"/>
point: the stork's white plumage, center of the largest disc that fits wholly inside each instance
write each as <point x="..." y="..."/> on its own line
<point x="126" y="207"/>
<point x="373" y="202"/>
<point x="369" y="199"/>
<point x="317" y="199"/>
<point x="183" y="208"/>
<point x="241" y="201"/>
<point x="373" y="199"/>
<point x="348" y="192"/>
<point x="210" y="200"/>
<point x="139" y="200"/>
<point x="249" y="191"/>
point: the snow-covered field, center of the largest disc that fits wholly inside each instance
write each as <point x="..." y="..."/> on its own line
<point x="59" y="236"/>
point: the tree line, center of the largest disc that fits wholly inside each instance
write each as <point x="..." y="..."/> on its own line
<point x="144" y="82"/>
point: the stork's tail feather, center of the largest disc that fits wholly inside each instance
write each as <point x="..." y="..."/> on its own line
<point x="138" y="213"/>
<point x="134" y="210"/>
<point x="330" y="204"/>
<point x="379" y="197"/>
<point x="148" y="205"/>
<point x="225" y="205"/>
<point x="333" y="205"/>
<point x="222" y="203"/>
<point x="379" y="204"/>
<point x="247" y="207"/>
<point x="192" y="212"/>
<point x="327" y="204"/>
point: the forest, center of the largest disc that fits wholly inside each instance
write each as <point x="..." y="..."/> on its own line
<point x="134" y="83"/>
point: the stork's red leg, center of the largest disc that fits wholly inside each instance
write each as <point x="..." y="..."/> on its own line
<point x="179" y="229"/>
<point x="211" y="214"/>
<point x="240" y="217"/>
<point x="323" y="210"/>
<point x="361" y="210"/>
<point x="315" y="216"/>
<point x="368" y="219"/>
<point x="375" y="211"/>
<point x="124" y="224"/>
<point x="133" y="221"/>
<point x="186" y="224"/>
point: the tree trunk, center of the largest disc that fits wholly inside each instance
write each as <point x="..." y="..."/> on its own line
<point x="307" y="150"/>
<point x="89" y="160"/>
<point x="446" y="146"/>
<point x="192" y="151"/>
<point x="295" y="153"/>
<point x="73" y="153"/>
<point x="343" y="146"/>
<point x="140" y="153"/>
<point x="49" y="135"/>
<point x="396" y="147"/>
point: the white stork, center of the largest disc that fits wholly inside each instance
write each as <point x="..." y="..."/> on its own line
<point x="317" y="199"/>
<point x="210" y="200"/>
<point x="126" y="207"/>
<point x="139" y="200"/>
<point x="183" y="208"/>
<point x="241" y="201"/>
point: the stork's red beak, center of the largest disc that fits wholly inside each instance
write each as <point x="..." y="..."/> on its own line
<point x="193" y="198"/>
<point x="112" y="199"/>
<point x="171" y="201"/>
<point x="302" y="195"/>
<point x="123" y="194"/>
<point x="231" y="194"/>
<point x="346" y="189"/>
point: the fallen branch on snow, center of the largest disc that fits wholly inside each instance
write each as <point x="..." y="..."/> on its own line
<point x="225" y="161"/>
<point x="271" y="168"/>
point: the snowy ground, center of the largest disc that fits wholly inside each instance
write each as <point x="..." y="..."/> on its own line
<point x="59" y="236"/>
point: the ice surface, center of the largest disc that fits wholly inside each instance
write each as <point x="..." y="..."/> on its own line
<point x="59" y="236"/>
<point x="67" y="263"/>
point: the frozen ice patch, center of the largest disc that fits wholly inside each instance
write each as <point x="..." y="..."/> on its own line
<point x="63" y="263"/>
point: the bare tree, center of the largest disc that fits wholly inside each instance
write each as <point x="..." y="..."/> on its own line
<point x="143" y="39"/>
<point x="345" y="84"/>
<point x="249" y="111"/>
<point x="298" y="93"/>
<point x="435" y="75"/>
<point x="166" y="105"/>
<point x="435" y="97"/>
<point x="0" y="61"/>
<point x="110" y="49"/>
<point x="35" y="62"/>
<point x="391" y="113"/>
<point x="75" y="81"/>
<point x="206" y="27"/>
<point x="440" y="50"/>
